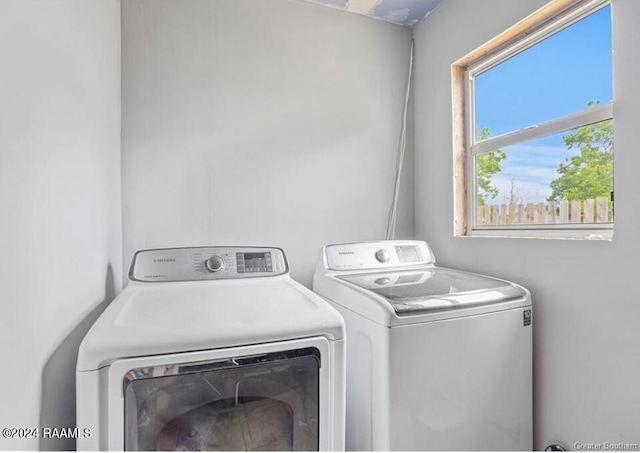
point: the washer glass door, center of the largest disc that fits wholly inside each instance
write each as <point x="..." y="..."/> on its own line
<point x="435" y="288"/>
<point x="265" y="402"/>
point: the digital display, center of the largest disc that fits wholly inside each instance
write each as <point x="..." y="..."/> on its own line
<point x="407" y="253"/>
<point x="254" y="262"/>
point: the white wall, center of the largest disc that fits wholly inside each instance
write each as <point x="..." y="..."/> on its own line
<point x="60" y="199"/>
<point x="587" y="345"/>
<point x="260" y="122"/>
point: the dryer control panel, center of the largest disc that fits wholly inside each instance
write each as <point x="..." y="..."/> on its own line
<point x="207" y="263"/>
<point x="377" y="255"/>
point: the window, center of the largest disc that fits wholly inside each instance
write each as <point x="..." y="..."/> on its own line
<point x="533" y="123"/>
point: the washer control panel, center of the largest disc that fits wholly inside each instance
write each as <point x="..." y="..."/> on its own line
<point x="377" y="255"/>
<point x="207" y="263"/>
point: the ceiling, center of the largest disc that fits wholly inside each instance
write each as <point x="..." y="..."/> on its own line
<point x="401" y="12"/>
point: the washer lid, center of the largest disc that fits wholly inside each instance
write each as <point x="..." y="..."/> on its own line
<point x="435" y="288"/>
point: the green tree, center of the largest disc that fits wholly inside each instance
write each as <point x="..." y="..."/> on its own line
<point x="487" y="165"/>
<point x="588" y="174"/>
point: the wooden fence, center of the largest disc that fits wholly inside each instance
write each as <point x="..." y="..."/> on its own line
<point x="551" y="212"/>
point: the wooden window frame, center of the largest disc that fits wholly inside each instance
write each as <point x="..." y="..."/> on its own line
<point x="546" y="21"/>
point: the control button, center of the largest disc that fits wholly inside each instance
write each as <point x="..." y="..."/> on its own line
<point x="214" y="264"/>
<point x="382" y="255"/>
<point x="382" y="281"/>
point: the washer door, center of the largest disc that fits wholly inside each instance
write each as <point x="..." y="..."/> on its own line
<point x="435" y="289"/>
<point x="263" y="397"/>
<point x="264" y="402"/>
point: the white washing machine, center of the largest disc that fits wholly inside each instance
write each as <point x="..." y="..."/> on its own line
<point x="213" y="348"/>
<point x="438" y="359"/>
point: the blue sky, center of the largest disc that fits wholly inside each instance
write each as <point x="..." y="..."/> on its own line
<point x="557" y="77"/>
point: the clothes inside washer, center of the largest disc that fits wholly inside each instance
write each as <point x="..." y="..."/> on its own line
<point x="253" y="424"/>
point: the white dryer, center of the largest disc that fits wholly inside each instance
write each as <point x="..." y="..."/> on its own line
<point x="213" y="348"/>
<point x="438" y="359"/>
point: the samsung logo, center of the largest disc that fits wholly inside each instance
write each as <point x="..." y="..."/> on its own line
<point x="164" y="260"/>
<point x="346" y="253"/>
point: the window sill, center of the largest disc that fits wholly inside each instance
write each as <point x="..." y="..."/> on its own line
<point x="574" y="233"/>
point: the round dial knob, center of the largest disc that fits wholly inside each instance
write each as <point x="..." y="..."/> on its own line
<point x="382" y="255"/>
<point x="214" y="263"/>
